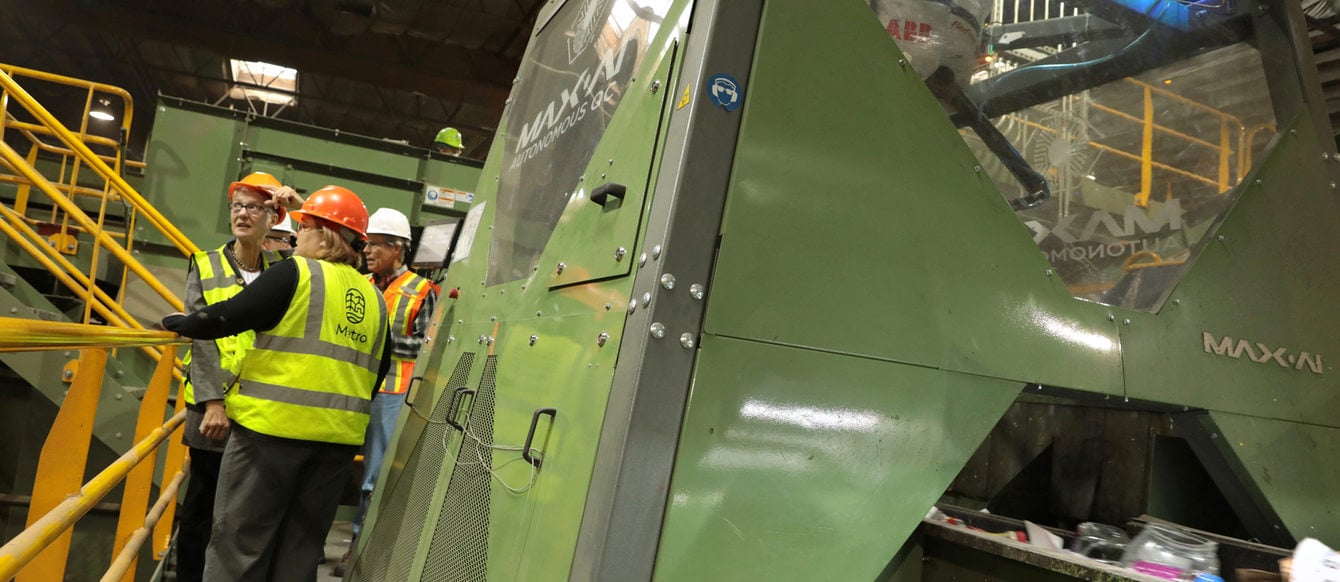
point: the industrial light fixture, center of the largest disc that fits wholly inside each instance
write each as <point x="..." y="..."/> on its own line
<point x="102" y="113"/>
<point x="264" y="82"/>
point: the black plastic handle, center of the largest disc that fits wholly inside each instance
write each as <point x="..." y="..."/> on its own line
<point x="454" y="407"/>
<point x="530" y="435"/>
<point x="603" y="192"/>
<point x="409" y="389"/>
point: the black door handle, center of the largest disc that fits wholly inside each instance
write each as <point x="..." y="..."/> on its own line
<point x="530" y="435"/>
<point x="605" y="191"/>
<point x="454" y="407"/>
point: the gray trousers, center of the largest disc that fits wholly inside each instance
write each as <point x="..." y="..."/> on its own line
<point x="276" y="499"/>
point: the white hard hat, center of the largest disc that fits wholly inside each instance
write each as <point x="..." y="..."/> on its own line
<point x="284" y="225"/>
<point x="389" y="221"/>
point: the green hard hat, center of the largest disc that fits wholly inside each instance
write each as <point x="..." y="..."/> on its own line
<point x="449" y="137"/>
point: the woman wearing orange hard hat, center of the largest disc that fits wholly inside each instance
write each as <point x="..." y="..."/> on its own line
<point x="299" y="406"/>
<point x="214" y="276"/>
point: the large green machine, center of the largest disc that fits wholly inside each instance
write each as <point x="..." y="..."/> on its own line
<point x="745" y="285"/>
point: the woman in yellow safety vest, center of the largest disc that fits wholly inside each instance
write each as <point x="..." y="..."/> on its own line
<point x="301" y="403"/>
<point x="213" y="277"/>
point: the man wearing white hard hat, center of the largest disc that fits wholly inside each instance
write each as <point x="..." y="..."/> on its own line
<point x="410" y="300"/>
<point x="280" y="237"/>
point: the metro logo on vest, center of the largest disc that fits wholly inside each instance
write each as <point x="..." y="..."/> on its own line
<point x="355" y="305"/>
<point x="351" y="333"/>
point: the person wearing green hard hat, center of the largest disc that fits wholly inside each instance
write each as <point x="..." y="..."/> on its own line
<point x="448" y="141"/>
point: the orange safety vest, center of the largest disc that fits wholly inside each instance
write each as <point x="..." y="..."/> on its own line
<point x="404" y="296"/>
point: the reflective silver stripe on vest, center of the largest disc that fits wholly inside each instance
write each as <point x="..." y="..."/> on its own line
<point x="407" y="297"/>
<point x="310" y="343"/>
<point x="221" y="277"/>
<point x="309" y="398"/>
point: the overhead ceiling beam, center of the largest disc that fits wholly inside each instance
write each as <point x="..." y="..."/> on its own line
<point x="349" y="63"/>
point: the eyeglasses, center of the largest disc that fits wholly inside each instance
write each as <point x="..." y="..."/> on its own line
<point x="384" y="244"/>
<point x="289" y="240"/>
<point x="252" y="209"/>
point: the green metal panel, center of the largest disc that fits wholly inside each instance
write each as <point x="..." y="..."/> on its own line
<point x="320" y="146"/>
<point x="1282" y="225"/>
<point x="627" y="146"/>
<point x="1294" y="466"/>
<point x="856" y="223"/>
<point x="799" y="464"/>
<point x="191" y="160"/>
<point x="374" y="195"/>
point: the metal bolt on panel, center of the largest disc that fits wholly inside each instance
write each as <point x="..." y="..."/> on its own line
<point x="696" y="291"/>
<point x="632" y="305"/>
<point x="686" y="340"/>
<point x="560" y="268"/>
<point x="655" y="86"/>
<point x="646" y="299"/>
<point x="668" y="281"/>
<point x="619" y="253"/>
<point x="534" y="338"/>
<point x="657" y="330"/>
<point x="602" y="338"/>
<point x="642" y="259"/>
<point x="656" y="252"/>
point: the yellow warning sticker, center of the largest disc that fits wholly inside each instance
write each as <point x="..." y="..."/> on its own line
<point x="685" y="99"/>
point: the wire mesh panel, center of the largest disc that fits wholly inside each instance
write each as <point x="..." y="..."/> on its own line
<point x="389" y="554"/>
<point x="460" y="545"/>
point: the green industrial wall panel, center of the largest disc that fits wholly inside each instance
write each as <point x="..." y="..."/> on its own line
<point x="856" y="223"/>
<point x="374" y="195"/>
<point x="1283" y="226"/>
<point x="796" y="464"/>
<point x="287" y="144"/>
<point x="1295" y="467"/>
<point x="191" y="159"/>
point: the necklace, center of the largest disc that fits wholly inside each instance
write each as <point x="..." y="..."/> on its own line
<point x="240" y="265"/>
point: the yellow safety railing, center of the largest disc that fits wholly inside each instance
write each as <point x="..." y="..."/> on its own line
<point x="1235" y="140"/>
<point x="69" y="221"/>
<point x="59" y="497"/>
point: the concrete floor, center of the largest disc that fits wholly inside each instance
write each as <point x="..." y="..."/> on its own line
<point x="337" y="542"/>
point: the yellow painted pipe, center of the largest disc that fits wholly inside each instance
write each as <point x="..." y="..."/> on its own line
<point x="123" y="568"/>
<point x="21" y="550"/>
<point x="18" y="335"/>
<point x="140" y="481"/>
<point x="176" y="462"/>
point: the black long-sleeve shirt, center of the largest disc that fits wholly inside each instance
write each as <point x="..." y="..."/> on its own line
<point x="259" y="306"/>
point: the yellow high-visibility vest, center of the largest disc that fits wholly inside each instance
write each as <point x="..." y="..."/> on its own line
<point x="404" y="297"/>
<point x="218" y="283"/>
<point x="312" y="376"/>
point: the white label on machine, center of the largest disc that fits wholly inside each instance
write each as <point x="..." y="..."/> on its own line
<point x="468" y="230"/>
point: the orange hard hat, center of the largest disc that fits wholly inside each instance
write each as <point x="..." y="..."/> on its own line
<point x="261" y="183"/>
<point x="338" y="206"/>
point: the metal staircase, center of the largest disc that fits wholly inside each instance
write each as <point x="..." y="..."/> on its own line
<point x="69" y="219"/>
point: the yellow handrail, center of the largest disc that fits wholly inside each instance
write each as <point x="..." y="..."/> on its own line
<point x="17" y="162"/>
<point x="27" y="335"/>
<point x="39" y="553"/>
<point x="123" y="566"/>
<point x="87" y="156"/>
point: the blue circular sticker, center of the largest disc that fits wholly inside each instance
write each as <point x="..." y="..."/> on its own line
<point x="725" y="92"/>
